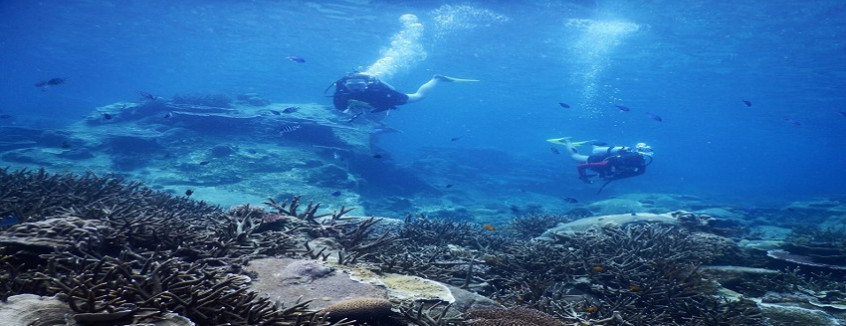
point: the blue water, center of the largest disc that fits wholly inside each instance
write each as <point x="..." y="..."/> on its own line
<point x="691" y="62"/>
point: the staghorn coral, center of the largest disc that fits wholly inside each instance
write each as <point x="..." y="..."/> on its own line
<point x="143" y="288"/>
<point x="58" y="233"/>
<point x="455" y="253"/>
<point x="639" y="274"/>
<point x="128" y="254"/>
<point x="530" y="226"/>
<point x="38" y="195"/>
<point x="644" y="273"/>
<point x="430" y="314"/>
<point x="355" y="235"/>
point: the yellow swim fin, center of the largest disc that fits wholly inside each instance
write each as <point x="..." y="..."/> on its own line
<point x="565" y="141"/>
<point x="453" y="79"/>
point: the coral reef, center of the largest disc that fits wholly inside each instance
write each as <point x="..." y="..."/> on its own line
<point x="530" y="226"/>
<point x="639" y="273"/>
<point x="122" y="253"/>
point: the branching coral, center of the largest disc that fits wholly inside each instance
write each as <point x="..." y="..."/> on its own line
<point x="645" y="273"/>
<point x="430" y="314"/>
<point x="119" y="252"/>
<point x="124" y="288"/>
<point x="529" y="226"/>
<point x="638" y="274"/>
<point x="355" y="235"/>
<point x="451" y="252"/>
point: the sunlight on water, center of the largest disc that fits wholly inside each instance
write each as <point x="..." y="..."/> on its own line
<point x="591" y="53"/>
<point x="449" y="19"/>
<point x="405" y="50"/>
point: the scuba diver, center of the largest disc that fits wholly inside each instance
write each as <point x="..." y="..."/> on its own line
<point x="610" y="163"/>
<point x="366" y="92"/>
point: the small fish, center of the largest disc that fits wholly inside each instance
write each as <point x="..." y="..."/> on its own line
<point x="488" y="227"/>
<point x="204" y="163"/>
<point x="377" y="156"/>
<point x="793" y="121"/>
<point x="5" y="116"/>
<point x="107" y="116"/>
<point x="591" y="309"/>
<point x="634" y="213"/>
<point x="655" y="117"/>
<point x="275" y="112"/>
<point x="291" y="109"/>
<point x="189" y="192"/>
<point x="571" y="200"/>
<point x="623" y="108"/>
<point x="564" y="105"/>
<point x="148" y="96"/>
<point x="50" y="82"/>
<point x="337" y="156"/>
<point x="336" y="193"/>
<point x="66" y="145"/>
<point x="168" y="115"/>
<point x="448" y="186"/>
<point x="288" y="129"/>
<point x="9" y="221"/>
<point x="843" y="113"/>
<point x="455" y="138"/>
<point x="295" y="58"/>
<point x="635" y="288"/>
<point x="554" y="150"/>
<point x="748" y="103"/>
<point x="599" y="143"/>
<point x="598" y="268"/>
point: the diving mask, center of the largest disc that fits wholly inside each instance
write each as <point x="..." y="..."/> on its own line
<point x="643" y="148"/>
<point x="356" y="84"/>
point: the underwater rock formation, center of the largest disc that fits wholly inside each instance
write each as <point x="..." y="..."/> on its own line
<point x="34" y="310"/>
<point x="209" y="143"/>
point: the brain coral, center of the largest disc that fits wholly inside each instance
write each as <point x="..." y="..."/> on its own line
<point x="369" y="310"/>
<point x="517" y="316"/>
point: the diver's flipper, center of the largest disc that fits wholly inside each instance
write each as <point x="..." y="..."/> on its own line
<point x="565" y="141"/>
<point x="453" y="79"/>
<point x="559" y="141"/>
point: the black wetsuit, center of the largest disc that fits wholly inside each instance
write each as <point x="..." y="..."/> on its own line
<point x="624" y="164"/>
<point x="370" y="90"/>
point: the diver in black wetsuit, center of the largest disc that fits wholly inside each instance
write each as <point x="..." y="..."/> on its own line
<point x="612" y="163"/>
<point x="377" y="94"/>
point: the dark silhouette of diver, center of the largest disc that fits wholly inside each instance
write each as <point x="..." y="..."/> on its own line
<point x="610" y="163"/>
<point x="366" y="92"/>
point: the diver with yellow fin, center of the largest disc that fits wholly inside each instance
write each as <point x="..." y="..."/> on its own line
<point x="609" y="162"/>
